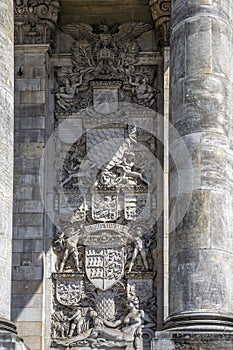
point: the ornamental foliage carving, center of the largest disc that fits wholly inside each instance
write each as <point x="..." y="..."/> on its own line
<point x="35" y="20"/>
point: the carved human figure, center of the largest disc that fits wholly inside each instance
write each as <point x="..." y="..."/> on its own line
<point x="125" y="160"/>
<point x="67" y="93"/>
<point x="69" y="240"/>
<point x="76" y="323"/>
<point x="139" y="248"/>
<point x="143" y="92"/>
<point x="151" y="245"/>
<point x="131" y="327"/>
<point x="81" y="169"/>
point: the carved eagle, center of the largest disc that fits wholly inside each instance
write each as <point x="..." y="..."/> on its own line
<point x="124" y="32"/>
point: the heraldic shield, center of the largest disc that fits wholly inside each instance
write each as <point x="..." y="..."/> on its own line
<point x="104" y="265"/>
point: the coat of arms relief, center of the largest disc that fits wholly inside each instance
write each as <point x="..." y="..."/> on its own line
<point x="106" y="249"/>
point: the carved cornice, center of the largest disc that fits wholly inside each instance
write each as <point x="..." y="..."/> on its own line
<point x="161" y="13"/>
<point x="35" y="20"/>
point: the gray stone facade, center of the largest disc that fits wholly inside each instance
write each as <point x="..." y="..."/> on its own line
<point x="122" y="174"/>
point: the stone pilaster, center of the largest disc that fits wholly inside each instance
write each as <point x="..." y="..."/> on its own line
<point x="35" y="22"/>
<point x="161" y="14"/>
<point x="8" y="336"/>
<point x="6" y="146"/>
<point x="201" y="246"/>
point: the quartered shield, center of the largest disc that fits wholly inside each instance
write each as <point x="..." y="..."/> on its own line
<point x="104" y="265"/>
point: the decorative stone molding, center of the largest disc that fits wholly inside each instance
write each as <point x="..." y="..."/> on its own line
<point x="161" y="13"/>
<point x="35" y="20"/>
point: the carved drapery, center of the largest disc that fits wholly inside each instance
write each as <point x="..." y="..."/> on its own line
<point x="161" y="13"/>
<point x="35" y="20"/>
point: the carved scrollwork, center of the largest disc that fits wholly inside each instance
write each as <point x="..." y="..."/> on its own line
<point x="161" y="13"/>
<point x="162" y="7"/>
<point x="35" y="20"/>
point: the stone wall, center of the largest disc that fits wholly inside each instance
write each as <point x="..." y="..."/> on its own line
<point x="28" y="239"/>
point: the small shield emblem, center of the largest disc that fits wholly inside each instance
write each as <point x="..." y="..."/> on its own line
<point x="105" y="100"/>
<point x="137" y="207"/>
<point x="104" y="207"/>
<point x="104" y="266"/>
<point x="69" y="292"/>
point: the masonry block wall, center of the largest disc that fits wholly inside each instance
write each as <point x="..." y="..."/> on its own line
<point x="30" y="114"/>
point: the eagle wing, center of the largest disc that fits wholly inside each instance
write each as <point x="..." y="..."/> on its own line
<point x="80" y="31"/>
<point x="106" y="147"/>
<point x="107" y="154"/>
<point x="131" y="30"/>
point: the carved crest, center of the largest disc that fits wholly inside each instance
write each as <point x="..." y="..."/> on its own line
<point x="104" y="69"/>
<point x="104" y="207"/>
<point x="105" y="100"/>
<point x="69" y="292"/>
<point x="104" y="266"/>
<point x="137" y="206"/>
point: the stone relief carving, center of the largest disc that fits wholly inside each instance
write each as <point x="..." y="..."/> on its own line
<point x="68" y="243"/>
<point x="35" y="20"/>
<point x="105" y="269"/>
<point x="106" y="248"/>
<point x="106" y="48"/>
<point x="106" y="52"/>
<point x="113" y="319"/>
<point x="161" y="13"/>
<point x="94" y="318"/>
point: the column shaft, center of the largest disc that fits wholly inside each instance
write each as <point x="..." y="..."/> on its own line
<point x="201" y="246"/>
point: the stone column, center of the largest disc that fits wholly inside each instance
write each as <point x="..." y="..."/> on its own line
<point x="201" y="246"/>
<point x="6" y="168"/>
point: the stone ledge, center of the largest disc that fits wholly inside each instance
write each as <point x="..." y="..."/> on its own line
<point x="193" y="341"/>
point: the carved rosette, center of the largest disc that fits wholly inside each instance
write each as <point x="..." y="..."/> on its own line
<point x="161" y="13"/>
<point x="35" y="21"/>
